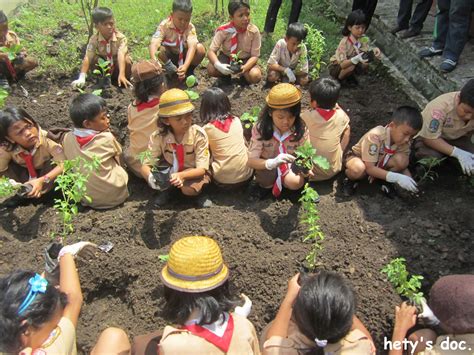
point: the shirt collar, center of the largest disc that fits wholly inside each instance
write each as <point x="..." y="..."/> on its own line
<point x="112" y="39"/>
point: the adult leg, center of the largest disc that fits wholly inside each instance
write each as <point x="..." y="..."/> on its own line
<point x="112" y="341"/>
<point x="419" y="15"/>
<point x="295" y="11"/>
<point x="457" y="34"/>
<point x="404" y="14"/>
<point x="442" y="24"/>
<point x="272" y="14"/>
<point x="370" y="9"/>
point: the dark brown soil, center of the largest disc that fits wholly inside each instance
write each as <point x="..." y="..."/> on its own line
<point x="262" y="241"/>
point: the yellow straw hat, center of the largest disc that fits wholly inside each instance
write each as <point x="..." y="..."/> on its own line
<point x="283" y="96"/>
<point x="175" y="102"/>
<point x="195" y="264"/>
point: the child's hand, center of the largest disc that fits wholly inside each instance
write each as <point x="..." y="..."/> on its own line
<point x="176" y="180"/>
<point x="405" y="317"/>
<point x="122" y="80"/>
<point x="293" y="289"/>
<point x="37" y="188"/>
<point x="181" y="72"/>
<point x="377" y="53"/>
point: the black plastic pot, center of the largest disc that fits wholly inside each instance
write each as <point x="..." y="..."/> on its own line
<point x="298" y="168"/>
<point x="236" y="67"/>
<point x="51" y="253"/>
<point x="103" y="82"/>
<point x="24" y="190"/>
<point x="369" y="56"/>
<point x="162" y="174"/>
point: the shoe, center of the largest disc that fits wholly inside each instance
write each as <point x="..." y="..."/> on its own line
<point x="428" y="52"/>
<point x="409" y="33"/>
<point x="163" y="198"/>
<point x="348" y="187"/>
<point x="4" y="84"/>
<point x="396" y="29"/>
<point x="389" y="190"/>
<point x="447" y="65"/>
<point x="203" y="201"/>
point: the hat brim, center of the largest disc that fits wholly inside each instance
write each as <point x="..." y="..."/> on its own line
<point x="177" y="110"/>
<point x="194" y="286"/>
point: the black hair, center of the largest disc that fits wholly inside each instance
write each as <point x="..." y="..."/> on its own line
<point x="234" y="5"/>
<point x="409" y="115"/>
<point x="356" y="17"/>
<point x="325" y="91"/>
<point x="467" y="93"/>
<point x="265" y="122"/>
<point x="85" y="107"/>
<point x="101" y="14"/>
<point x="3" y="17"/>
<point x="211" y="304"/>
<point x="215" y="105"/>
<point x="324" y="308"/>
<point x="148" y="87"/>
<point x="182" y="5"/>
<point x="8" y="117"/>
<point x="297" y="30"/>
<point x="14" y="289"/>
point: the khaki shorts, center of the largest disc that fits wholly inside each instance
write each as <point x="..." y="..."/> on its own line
<point x="266" y="178"/>
<point x="335" y="70"/>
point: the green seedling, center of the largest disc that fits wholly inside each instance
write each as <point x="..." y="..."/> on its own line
<point x="3" y="97"/>
<point x="11" y="51"/>
<point x="250" y="118"/>
<point x="7" y="189"/>
<point x="97" y="92"/>
<point x="235" y="58"/>
<point x="428" y="164"/>
<point x="164" y="258"/>
<point x="190" y="82"/>
<point x="103" y="68"/>
<point x="316" y="47"/>
<point x="406" y="286"/>
<point x="307" y="158"/>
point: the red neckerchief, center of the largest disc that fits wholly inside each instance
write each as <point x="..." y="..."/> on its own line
<point x="179" y="43"/>
<point x="84" y="140"/>
<point x="222" y="343"/>
<point x="28" y="158"/>
<point x="326" y="114"/>
<point x="108" y="51"/>
<point x="230" y="28"/>
<point x="178" y="155"/>
<point x="283" y="168"/>
<point x="152" y="103"/>
<point x="224" y="126"/>
<point x="387" y="153"/>
<point x="10" y="68"/>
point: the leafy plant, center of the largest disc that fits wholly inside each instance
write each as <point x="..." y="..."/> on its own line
<point x="7" y="188"/>
<point x="235" y="58"/>
<point x="146" y="157"/>
<point x="97" y="92"/>
<point x="428" y="164"/>
<point x="306" y="157"/>
<point x="164" y="258"/>
<point x="12" y="51"/>
<point x="103" y="68"/>
<point x="398" y="276"/>
<point x="3" y="97"/>
<point x="250" y="118"/>
<point x="190" y="82"/>
<point x="316" y="47"/>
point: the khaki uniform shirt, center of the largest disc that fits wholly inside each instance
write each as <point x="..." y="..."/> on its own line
<point x="370" y="147"/>
<point x="326" y="136"/>
<point x="97" y="45"/>
<point x="108" y="186"/>
<point x="177" y="341"/>
<point x="440" y="119"/>
<point x="166" y="31"/>
<point x="282" y="56"/>
<point x="196" y="148"/>
<point x="46" y="149"/>
<point x="11" y="39"/>
<point x="229" y="153"/>
<point x="442" y="348"/>
<point x="346" y="50"/>
<point x="248" y="42"/>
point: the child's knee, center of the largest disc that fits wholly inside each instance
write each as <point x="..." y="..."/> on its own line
<point x="212" y="71"/>
<point x="398" y="162"/>
<point x="293" y="182"/>
<point x="355" y="169"/>
<point x="200" y="51"/>
<point x="254" y="75"/>
<point x="273" y="76"/>
<point x="303" y="80"/>
<point x="189" y="191"/>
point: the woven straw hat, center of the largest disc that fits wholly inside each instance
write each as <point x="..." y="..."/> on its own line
<point x="195" y="264"/>
<point x="175" y="102"/>
<point x="145" y="69"/>
<point x="283" y="96"/>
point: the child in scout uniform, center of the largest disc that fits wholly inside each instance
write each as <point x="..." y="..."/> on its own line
<point x="108" y="44"/>
<point x="15" y="69"/>
<point x="226" y="139"/>
<point x="275" y="137"/>
<point x="448" y="125"/>
<point x="317" y="316"/>
<point x="351" y="53"/>
<point x="289" y="58"/>
<point x="328" y="126"/>
<point x="383" y="153"/>
<point x="27" y="155"/>
<point x="238" y="38"/>
<point x="149" y="83"/>
<point x="177" y="42"/>
<point x="180" y="144"/>
<point x="107" y="187"/>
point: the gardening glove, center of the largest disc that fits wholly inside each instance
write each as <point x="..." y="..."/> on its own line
<point x="80" y="82"/>
<point x="170" y="68"/>
<point x="281" y="158"/>
<point x="223" y="68"/>
<point x="152" y="182"/>
<point x="245" y="309"/>
<point x="405" y="182"/>
<point x="291" y="76"/>
<point x="427" y="315"/>
<point x="74" y="249"/>
<point x="358" y="59"/>
<point x="466" y="160"/>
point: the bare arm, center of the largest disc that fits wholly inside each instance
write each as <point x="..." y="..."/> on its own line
<point x="256" y="163"/>
<point x="276" y="67"/>
<point x="187" y="62"/>
<point x="357" y="324"/>
<point x="122" y="80"/>
<point x="154" y="46"/>
<point x="346" y="136"/>
<point x="374" y="171"/>
<point x="212" y="56"/>
<point x="439" y="144"/>
<point x="405" y="318"/>
<point x="85" y="65"/>
<point x="39" y="182"/>
<point x="145" y="170"/>
<point x="70" y="285"/>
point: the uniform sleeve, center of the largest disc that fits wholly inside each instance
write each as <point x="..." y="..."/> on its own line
<point x="5" y="158"/>
<point x="159" y="34"/>
<point x="201" y="149"/>
<point x="341" y="51"/>
<point x="192" y="36"/>
<point x="370" y="148"/>
<point x="217" y="41"/>
<point x="256" y="145"/>
<point x="123" y="45"/>
<point x="278" y="345"/>
<point x="256" y="44"/>
<point x="433" y="122"/>
<point x="92" y="47"/>
<point x="302" y="66"/>
<point x="55" y="150"/>
<point x="154" y="146"/>
<point x="275" y="55"/>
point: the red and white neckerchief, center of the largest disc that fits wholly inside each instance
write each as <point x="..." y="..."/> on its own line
<point x="222" y="341"/>
<point x="83" y="135"/>
<point x="356" y="45"/>
<point x="230" y="28"/>
<point x="10" y="68"/>
<point x="388" y="152"/>
<point x="148" y="104"/>
<point x="326" y="114"/>
<point x="28" y="158"/>
<point x="108" y="51"/>
<point x="178" y="157"/>
<point x="179" y="43"/>
<point x="223" y="126"/>
<point x="283" y="168"/>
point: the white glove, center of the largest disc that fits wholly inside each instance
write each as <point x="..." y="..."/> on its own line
<point x="405" y="182"/>
<point x="466" y="160"/>
<point x="73" y="249"/>
<point x="427" y="315"/>
<point x="358" y="59"/>
<point x="245" y="309"/>
<point x="223" y="68"/>
<point x="291" y="76"/>
<point x="281" y="158"/>
<point x="152" y="182"/>
<point x="80" y="82"/>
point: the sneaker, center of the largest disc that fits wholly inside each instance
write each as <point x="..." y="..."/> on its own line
<point x="447" y="65"/>
<point x="428" y="52"/>
<point x="396" y="29"/>
<point x="409" y="33"/>
<point x="163" y="198"/>
<point x="348" y="187"/>
<point x="389" y="190"/>
<point x="203" y="201"/>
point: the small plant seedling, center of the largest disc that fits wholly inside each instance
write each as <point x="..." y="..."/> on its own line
<point x="164" y="258"/>
<point x="306" y="159"/>
<point x="103" y="68"/>
<point x="3" y="97"/>
<point x="236" y="62"/>
<point x="316" y="47"/>
<point x="161" y="173"/>
<point x="97" y="92"/>
<point x="406" y="286"/>
<point x="7" y="188"/>
<point x="250" y="118"/>
<point x="428" y="164"/>
<point x="190" y="82"/>
<point x="12" y="51"/>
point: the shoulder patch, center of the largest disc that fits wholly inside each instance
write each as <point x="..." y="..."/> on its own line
<point x="252" y="28"/>
<point x="438" y="114"/>
<point x="433" y="126"/>
<point x="373" y="149"/>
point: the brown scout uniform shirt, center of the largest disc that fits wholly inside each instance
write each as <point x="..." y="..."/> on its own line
<point x="97" y="46"/>
<point x="11" y="39"/>
<point x="346" y="50"/>
<point x="166" y="31"/>
<point x="248" y="42"/>
<point x="282" y="56"/>
<point x="440" y="119"/>
<point x="177" y="341"/>
<point x="370" y="147"/>
<point x="466" y="340"/>
<point x="326" y="136"/>
<point x="196" y="148"/>
<point x="46" y="149"/>
<point x="108" y="186"/>
<point x="229" y="153"/>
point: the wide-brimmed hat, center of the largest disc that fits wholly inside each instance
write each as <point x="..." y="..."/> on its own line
<point x="145" y="69"/>
<point x="175" y="102"/>
<point x="195" y="264"/>
<point x="283" y="96"/>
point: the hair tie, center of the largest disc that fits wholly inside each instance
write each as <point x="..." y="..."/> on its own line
<point x="37" y="284"/>
<point x="321" y="343"/>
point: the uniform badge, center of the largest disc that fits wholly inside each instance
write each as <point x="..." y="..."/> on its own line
<point x="434" y="125"/>
<point x="206" y="152"/>
<point x="373" y="149"/>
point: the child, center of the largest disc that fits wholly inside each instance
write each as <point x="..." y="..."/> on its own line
<point x="182" y="145"/>
<point x="108" y="44"/>
<point x="289" y="57"/>
<point x="15" y="69"/>
<point x="448" y="124"/>
<point x="27" y="154"/>
<point x="91" y="138"/>
<point x="238" y="38"/>
<point x="177" y="42"/>
<point x="275" y="137"/>
<point x="383" y="152"/>
<point x="317" y="316"/>
<point x="226" y="139"/>
<point x="39" y="318"/>
<point x="143" y="111"/>
<point x="328" y="126"/>
<point x="196" y="290"/>
<point x="351" y="54"/>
